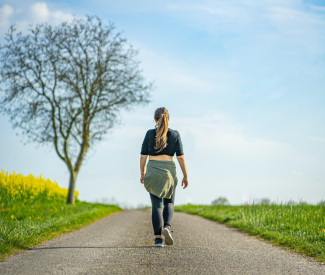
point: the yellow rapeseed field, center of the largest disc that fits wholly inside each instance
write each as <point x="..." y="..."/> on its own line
<point x="19" y="187"/>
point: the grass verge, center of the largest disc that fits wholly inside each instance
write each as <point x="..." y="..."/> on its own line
<point x="27" y="225"/>
<point x="300" y="227"/>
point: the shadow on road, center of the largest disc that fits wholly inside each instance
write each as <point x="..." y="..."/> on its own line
<point x="92" y="247"/>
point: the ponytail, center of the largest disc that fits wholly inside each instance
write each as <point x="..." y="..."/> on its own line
<point x="162" y="117"/>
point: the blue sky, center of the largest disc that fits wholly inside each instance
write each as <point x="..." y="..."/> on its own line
<point x="244" y="82"/>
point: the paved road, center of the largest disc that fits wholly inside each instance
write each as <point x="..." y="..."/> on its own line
<point x="123" y="244"/>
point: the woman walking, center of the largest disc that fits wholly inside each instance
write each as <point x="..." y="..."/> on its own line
<point x="160" y="177"/>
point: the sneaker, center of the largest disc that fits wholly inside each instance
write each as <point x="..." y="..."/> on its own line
<point x="168" y="235"/>
<point x="159" y="242"/>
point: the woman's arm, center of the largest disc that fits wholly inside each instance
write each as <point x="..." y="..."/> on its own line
<point x="182" y="164"/>
<point x="143" y="160"/>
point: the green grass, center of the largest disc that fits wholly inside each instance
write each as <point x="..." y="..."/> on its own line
<point x="299" y="227"/>
<point x="25" y="224"/>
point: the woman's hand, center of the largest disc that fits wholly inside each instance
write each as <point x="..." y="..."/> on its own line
<point x="182" y="164"/>
<point x="141" y="179"/>
<point x="184" y="183"/>
<point x="143" y="160"/>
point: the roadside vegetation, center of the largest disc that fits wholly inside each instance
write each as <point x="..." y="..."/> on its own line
<point x="300" y="227"/>
<point x="33" y="210"/>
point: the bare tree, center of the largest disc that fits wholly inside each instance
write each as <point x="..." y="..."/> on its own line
<point x="65" y="85"/>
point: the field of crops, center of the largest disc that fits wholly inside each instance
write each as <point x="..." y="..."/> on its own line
<point x="33" y="209"/>
<point x="28" y="189"/>
<point x="299" y="227"/>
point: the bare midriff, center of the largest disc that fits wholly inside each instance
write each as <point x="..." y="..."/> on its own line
<point x="161" y="157"/>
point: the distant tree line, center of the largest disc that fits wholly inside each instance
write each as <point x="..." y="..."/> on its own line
<point x="263" y="201"/>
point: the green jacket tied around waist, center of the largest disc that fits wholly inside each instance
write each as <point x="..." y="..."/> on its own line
<point x="160" y="178"/>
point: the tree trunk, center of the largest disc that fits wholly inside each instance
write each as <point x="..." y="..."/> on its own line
<point x="72" y="185"/>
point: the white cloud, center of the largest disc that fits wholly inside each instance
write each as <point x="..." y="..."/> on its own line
<point x="171" y="74"/>
<point x="296" y="23"/>
<point x="286" y="22"/>
<point x="203" y="8"/>
<point x="37" y="13"/>
<point x="296" y="173"/>
<point x="41" y="13"/>
<point x="216" y="135"/>
<point x="60" y="16"/>
<point x="317" y="8"/>
<point x="5" y="13"/>
<point x="317" y="139"/>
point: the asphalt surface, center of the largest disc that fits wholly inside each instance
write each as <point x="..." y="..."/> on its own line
<point x="123" y="244"/>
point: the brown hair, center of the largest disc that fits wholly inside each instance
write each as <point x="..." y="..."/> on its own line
<point x="162" y="117"/>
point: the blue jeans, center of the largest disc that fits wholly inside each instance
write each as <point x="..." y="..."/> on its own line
<point x="158" y="214"/>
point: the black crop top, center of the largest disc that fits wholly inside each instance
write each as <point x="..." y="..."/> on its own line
<point x="174" y="144"/>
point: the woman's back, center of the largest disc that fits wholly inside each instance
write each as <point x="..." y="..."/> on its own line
<point x="174" y="144"/>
